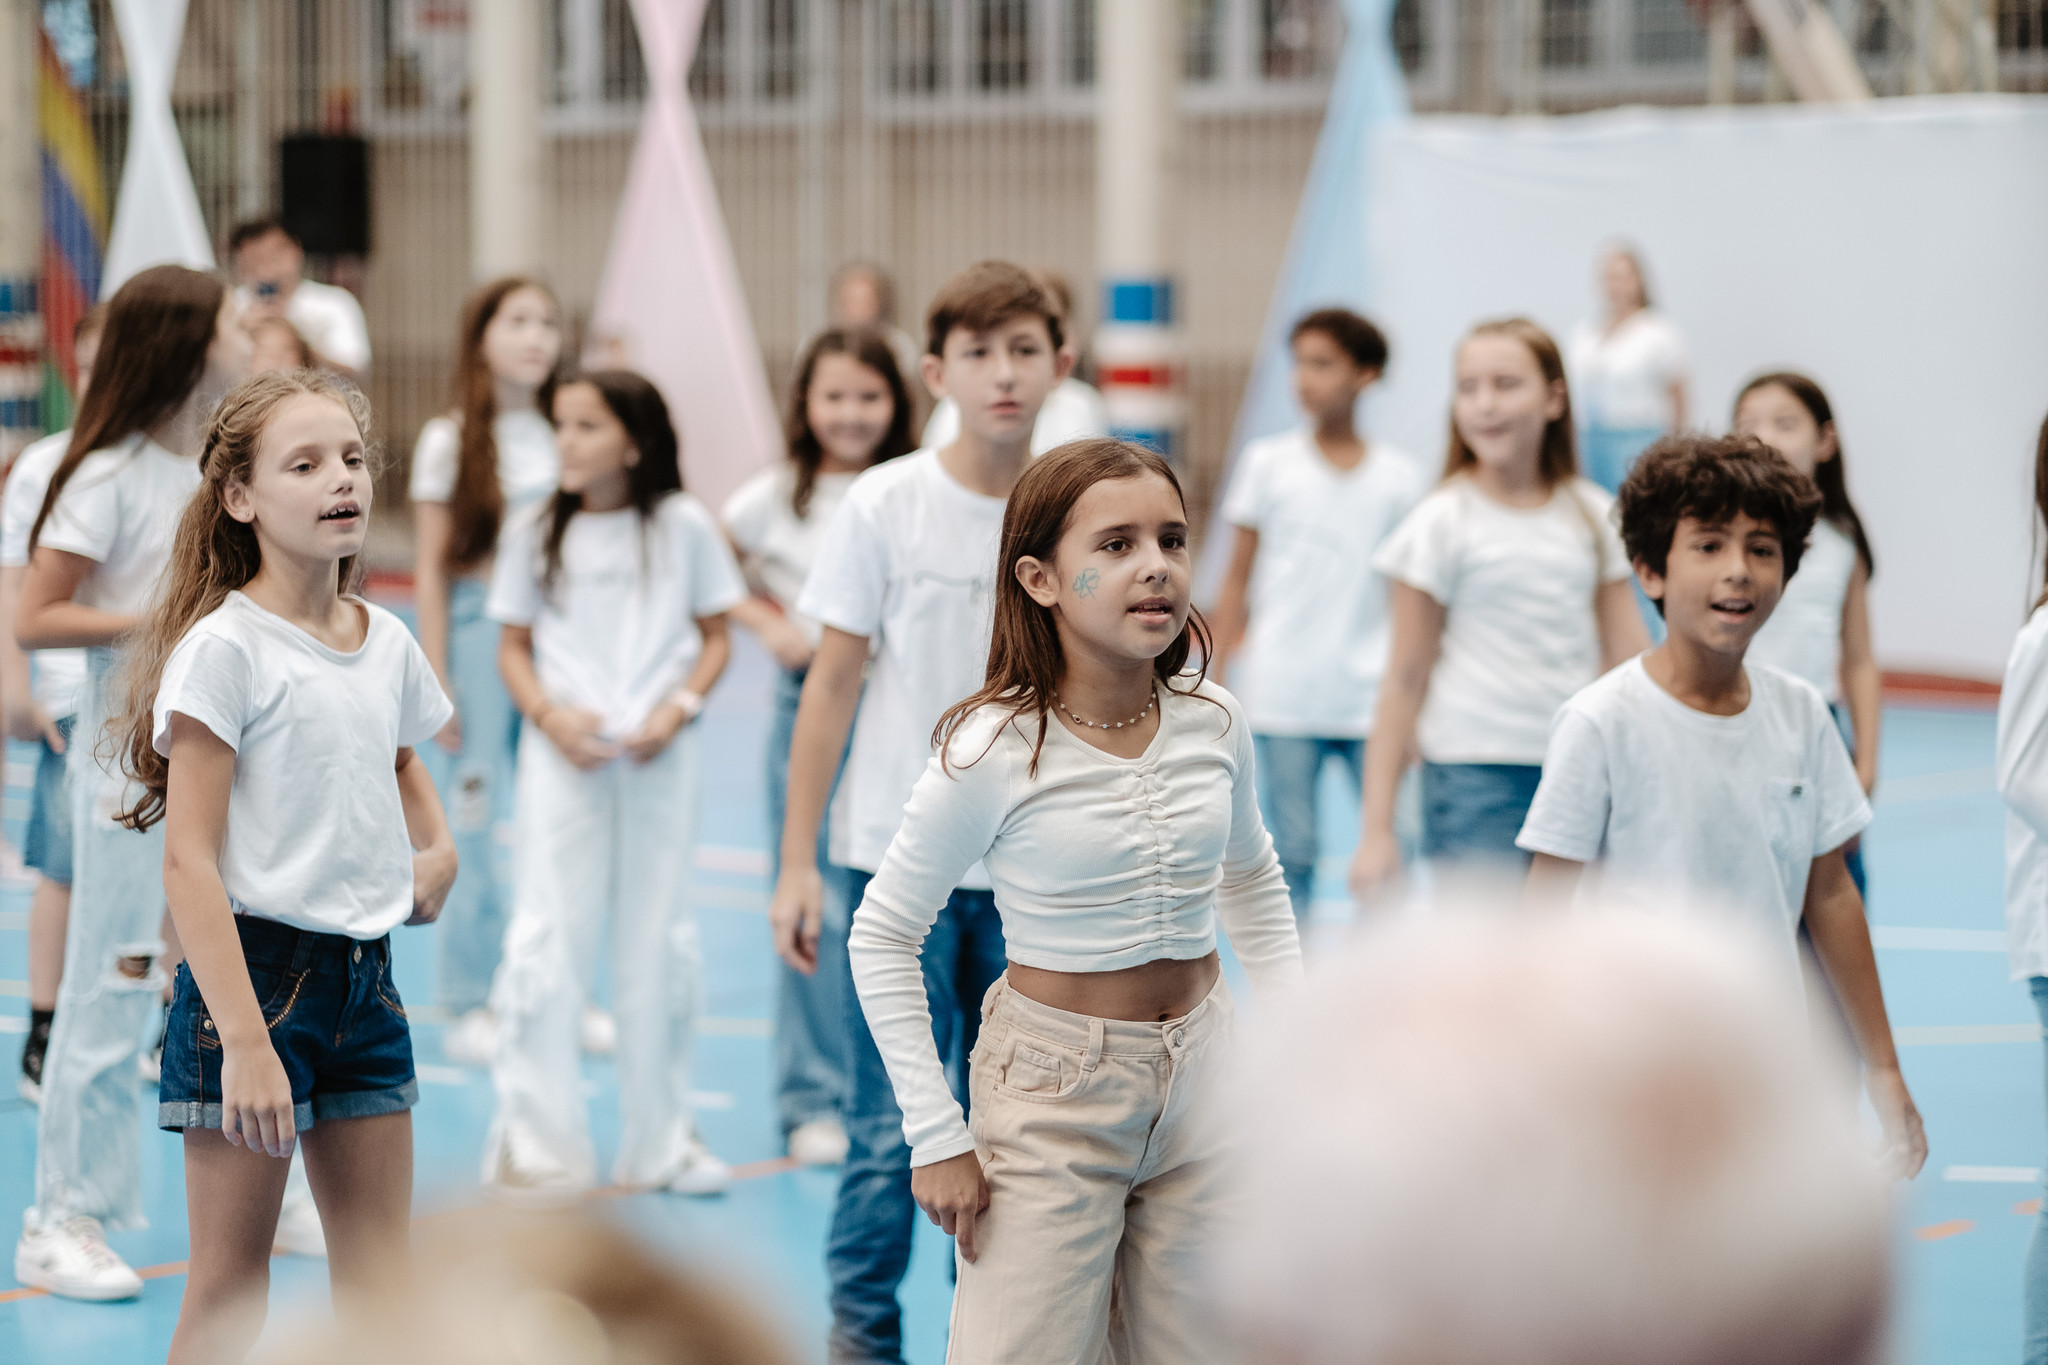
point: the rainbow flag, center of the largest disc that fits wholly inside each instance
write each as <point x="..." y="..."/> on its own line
<point x="74" y="226"/>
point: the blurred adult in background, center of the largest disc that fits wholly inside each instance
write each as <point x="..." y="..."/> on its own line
<point x="563" y="1288"/>
<point x="864" y="297"/>
<point x="1074" y="410"/>
<point x="1563" y="1140"/>
<point x="269" y="272"/>
<point x="1628" y="372"/>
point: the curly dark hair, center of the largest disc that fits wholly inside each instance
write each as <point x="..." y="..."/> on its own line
<point x="1711" y="479"/>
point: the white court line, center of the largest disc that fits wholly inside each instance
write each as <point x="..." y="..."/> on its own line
<point x="741" y="898"/>
<point x="1994" y="1175"/>
<point x="1943" y="1035"/>
<point x="13" y="1023"/>
<point x="716" y="1027"/>
<point x="13" y="919"/>
<point x="443" y="1075"/>
<point x="1900" y="791"/>
<point x="725" y="858"/>
<point x="1938" y="940"/>
<point x="17" y="989"/>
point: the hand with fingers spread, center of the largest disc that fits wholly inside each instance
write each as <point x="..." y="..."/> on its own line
<point x="954" y="1194"/>
<point x="796" y="914"/>
<point x="255" y="1097"/>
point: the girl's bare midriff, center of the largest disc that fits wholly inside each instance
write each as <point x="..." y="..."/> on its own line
<point x="1151" y="992"/>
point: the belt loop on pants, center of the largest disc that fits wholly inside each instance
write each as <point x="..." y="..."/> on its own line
<point x="1094" y="1045"/>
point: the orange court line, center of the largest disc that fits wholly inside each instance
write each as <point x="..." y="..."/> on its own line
<point x="2027" y="1208"/>
<point x="1935" y="1232"/>
<point x="753" y="1170"/>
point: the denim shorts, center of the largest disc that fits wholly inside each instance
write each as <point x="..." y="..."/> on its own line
<point x="1471" y="812"/>
<point x="47" y="845"/>
<point x="334" y="1018"/>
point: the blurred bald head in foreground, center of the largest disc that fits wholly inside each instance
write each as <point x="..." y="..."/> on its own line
<point x="1579" y="1140"/>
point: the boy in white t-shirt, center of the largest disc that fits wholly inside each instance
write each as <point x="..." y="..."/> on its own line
<point x="1302" y="620"/>
<point x="906" y="573"/>
<point x="1690" y="779"/>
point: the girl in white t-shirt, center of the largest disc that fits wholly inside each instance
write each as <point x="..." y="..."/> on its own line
<point x="173" y="345"/>
<point x="489" y="459"/>
<point x="1629" y="369"/>
<point x="1821" y="629"/>
<point x="269" y="727"/>
<point x="613" y="597"/>
<point x="849" y="410"/>
<point x="1511" y="591"/>
<point x="1109" y="792"/>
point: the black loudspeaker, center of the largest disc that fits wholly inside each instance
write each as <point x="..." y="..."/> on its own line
<point x="324" y="186"/>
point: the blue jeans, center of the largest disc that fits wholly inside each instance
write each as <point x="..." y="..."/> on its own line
<point x="476" y="791"/>
<point x="47" y="845"/>
<point x="868" y="1249"/>
<point x="1854" y="857"/>
<point x="1290" y="773"/>
<point x="334" y="1018"/>
<point x="1471" y="812"/>
<point x="810" y="1011"/>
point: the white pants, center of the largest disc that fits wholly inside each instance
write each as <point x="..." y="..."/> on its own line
<point x="615" y="843"/>
<point x="88" y="1157"/>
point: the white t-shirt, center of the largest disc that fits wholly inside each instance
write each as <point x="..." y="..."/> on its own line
<point x="909" y="561"/>
<point x="329" y="318"/>
<point x="59" y="673"/>
<point x="777" y="546"/>
<point x="1804" y="635"/>
<point x="1519" y="631"/>
<point x="1098" y="863"/>
<point x="1622" y="379"/>
<point x="1317" y="643"/>
<point x="2023" y="782"/>
<point x="316" y="834"/>
<point x="1072" y="410"/>
<point x="529" y="466"/>
<point x="1723" y="814"/>
<point x="120" y="509"/>
<point x="619" y="630"/>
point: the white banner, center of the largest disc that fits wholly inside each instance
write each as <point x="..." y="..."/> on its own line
<point x="156" y="217"/>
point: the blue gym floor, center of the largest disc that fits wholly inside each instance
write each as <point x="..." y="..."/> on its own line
<point x="1970" y="1041"/>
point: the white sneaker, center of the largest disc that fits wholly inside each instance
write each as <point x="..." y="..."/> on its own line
<point x="523" y="1173"/>
<point x="600" y="1034"/>
<point x="819" y="1142"/>
<point x="72" y="1260"/>
<point x="299" y="1232"/>
<point x="701" y="1173"/>
<point x="471" y="1040"/>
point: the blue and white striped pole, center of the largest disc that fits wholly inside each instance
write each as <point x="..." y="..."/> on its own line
<point x="1137" y="346"/>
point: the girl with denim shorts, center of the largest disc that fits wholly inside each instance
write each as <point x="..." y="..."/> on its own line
<point x="269" y="726"/>
<point x="1511" y="591"/>
<point x="1109" y="792"/>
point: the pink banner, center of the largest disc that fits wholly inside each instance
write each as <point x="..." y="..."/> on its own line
<point x="670" y="304"/>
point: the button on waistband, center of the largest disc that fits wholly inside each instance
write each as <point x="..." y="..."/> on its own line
<point x="1180" y="1037"/>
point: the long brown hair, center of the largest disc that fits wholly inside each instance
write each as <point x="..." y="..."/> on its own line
<point x="1828" y="474"/>
<point x="657" y="473"/>
<point x="2041" y="495"/>
<point x="477" y="504"/>
<point x="869" y="348"/>
<point x="1025" y="658"/>
<point x="1558" y="460"/>
<point x="159" y="327"/>
<point x="212" y="556"/>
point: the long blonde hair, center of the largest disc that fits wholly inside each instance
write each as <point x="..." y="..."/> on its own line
<point x="212" y="556"/>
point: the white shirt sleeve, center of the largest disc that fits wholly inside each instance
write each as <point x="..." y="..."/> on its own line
<point x="1251" y="898"/>
<point x="1422" y="551"/>
<point x="749" y="512"/>
<point x="1245" y="504"/>
<point x="86" y="519"/>
<point x="950" y="823"/>
<point x="849" y="580"/>
<point x="515" y="597"/>
<point x="332" y="322"/>
<point x="715" y="583"/>
<point x="423" y="707"/>
<point x="1610" y="554"/>
<point x="209" y="678"/>
<point x="434" y="460"/>
<point x="1844" y="810"/>
<point x="18" y="508"/>
<point x="2023" y="729"/>
<point x="1568" y="818"/>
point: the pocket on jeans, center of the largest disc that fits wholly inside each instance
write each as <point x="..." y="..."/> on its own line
<point x="1027" y="1069"/>
<point x="279" y="999"/>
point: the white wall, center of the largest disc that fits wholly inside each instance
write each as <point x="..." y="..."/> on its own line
<point x="1898" y="253"/>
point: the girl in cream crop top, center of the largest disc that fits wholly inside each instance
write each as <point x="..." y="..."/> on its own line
<point x="1097" y="863"/>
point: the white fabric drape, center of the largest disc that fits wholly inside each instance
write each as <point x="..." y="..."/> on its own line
<point x="156" y="219"/>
